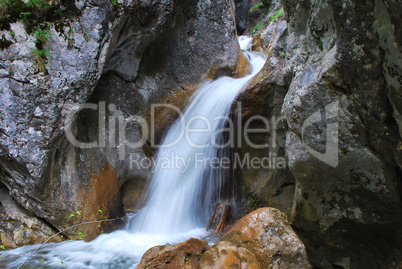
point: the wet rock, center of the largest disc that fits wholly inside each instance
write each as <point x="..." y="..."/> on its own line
<point x="19" y="227"/>
<point x="228" y="255"/>
<point x="267" y="234"/>
<point x="262" y="239"/>
<point x="271" y="183"/>
<point x="183" y="255"/>
<point x="343" y="131"/>
<point x="129" y="56"/>
<point x="242" y="9"/>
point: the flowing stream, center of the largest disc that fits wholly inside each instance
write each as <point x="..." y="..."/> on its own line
<point x="181" y="195"/>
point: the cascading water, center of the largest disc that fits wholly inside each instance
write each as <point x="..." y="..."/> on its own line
<point x="180" y="197"/>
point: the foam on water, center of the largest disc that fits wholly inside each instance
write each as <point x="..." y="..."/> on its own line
<point x="245" y="42"/>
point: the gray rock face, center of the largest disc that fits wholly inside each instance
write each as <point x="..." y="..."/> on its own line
<point x="134" y="54"/>
<point x="242" y="8"/>
<point x="271" y="184"/>
<point x="342" y="111"/>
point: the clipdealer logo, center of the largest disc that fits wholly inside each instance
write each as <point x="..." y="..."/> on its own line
<point x="112" y="133"/>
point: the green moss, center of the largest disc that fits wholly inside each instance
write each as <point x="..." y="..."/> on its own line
<point x="320" y="44"/>
<point x="116" y="4"/>
<point x="258" y="27"/>
<point x="253" y="201"/>
<point x="259" y="5"/>
<point x="263" y="3"/>
<point x="276" y="15"/>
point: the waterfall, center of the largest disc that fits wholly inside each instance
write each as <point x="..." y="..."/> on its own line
<point x="180" y="197"/>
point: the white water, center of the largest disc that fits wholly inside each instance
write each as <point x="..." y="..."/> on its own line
<point x="179" y="200"/>
<point x="245" y="42"/>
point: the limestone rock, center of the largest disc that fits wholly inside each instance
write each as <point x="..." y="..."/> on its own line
<point x="270" y="184"/>
<point x="262" y="239"/>
<point x="131" y="56"/>
<point x="267" y="234"/>
<point x="343" y="130"/>
<point x="183" y="255"/>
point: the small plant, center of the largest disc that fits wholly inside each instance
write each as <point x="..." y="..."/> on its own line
<point x="115" y="3"/>
<point x="253" y="201"/>
<point x="283" y="54"/>
<point x="42" y="35"/>
<point x="276" y="15"/>
<point x="258" y="27"/>
<point x="40" y="5"/>
<point x="10" y="72"/>
<point x="41" y="57"/>
<point x="25" y="15"/>
<point x="58" y="13"/>
<point x="2" y="247"/>
<point x="31" y="12"/>
<point x="41" y="52"/>
<point x="3" y="8"/>
<point x="259" y="5"/>
<point x="100" y="211"/>
<point x="263" y="3"/>
<point x="320" y="44"/>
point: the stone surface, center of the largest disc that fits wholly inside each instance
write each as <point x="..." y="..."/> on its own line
<point x="242" y="9"/>
<point x="131" y="56"/>
<point x="183" y="255"/>
<point x="267" y="234"/>
<point x="19" y="227"/>
<point x="343" y="130"/>
<point x="262" y="239"/>
<point x="270" y="184"/>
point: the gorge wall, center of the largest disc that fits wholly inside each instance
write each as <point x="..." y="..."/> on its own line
<point x="339" y="62"/>
<point x="129" y="55"/>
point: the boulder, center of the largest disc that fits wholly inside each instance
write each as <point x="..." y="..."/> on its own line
<point x="262" y="239"/>
<point x="183" y="255"/>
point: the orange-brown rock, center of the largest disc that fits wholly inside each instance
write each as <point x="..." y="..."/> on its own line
<point x="267" y="234"/>
<point x="183" y="255"/>
<point x="164" y="116"/>
<point x="243" y="68"/>
<point x="262" y="239"/>
<point x="228" y="255"/>
<point x="218" y="218"/>
<point x="99" y="202"/>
